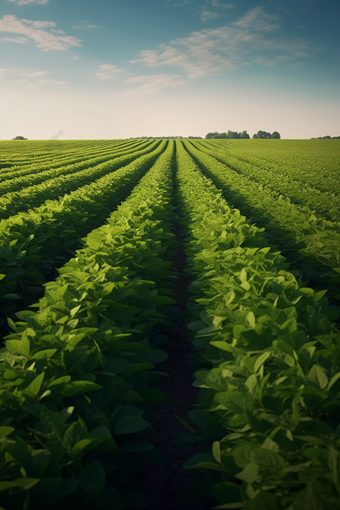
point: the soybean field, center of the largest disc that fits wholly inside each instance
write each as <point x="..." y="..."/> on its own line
<point x="169" y="318"/>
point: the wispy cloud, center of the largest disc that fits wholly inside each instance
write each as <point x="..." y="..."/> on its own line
<point x="215" y="10"/>
<point x="18" y="40"/>
<point x="107" y="71"/>
<point x="39" y="32"/>
<point x="30" y="79"/>
<point x="40" y="83"/>
<point x="178" y="4"/>
<point x="221" y="5"/>
<point x="85" y="26"/>
<point x="206" y="15"/>
<point x="154" y="82"/>
<point x="211" y="52"/>
<point x="24" y="2"/>
<point x="35" y="74"/>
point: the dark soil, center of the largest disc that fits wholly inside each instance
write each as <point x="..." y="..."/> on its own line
<point x="165" y="485"/>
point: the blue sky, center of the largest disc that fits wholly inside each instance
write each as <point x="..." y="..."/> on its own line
<point x="115" y="69"/>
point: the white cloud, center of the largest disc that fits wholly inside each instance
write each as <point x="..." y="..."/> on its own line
<point x="85" y="26"/>
<point x="33" y="30"/>
<point x="209" y="15"/>
<point x="18" y="40"/>
<point x="107" y="71"/>
<point x="24" y="2"/>
<point x="35" y="74"/>
<point x="221" y="5"/>
<point x="39" y="23"/>
<point x="41" y="83"/>
<point x="218" y="11"/>
<point x="30" y="79"/>
<point x="74" y="57"/>
<point x="155" y="82"/>
<point x="211" y="52"/>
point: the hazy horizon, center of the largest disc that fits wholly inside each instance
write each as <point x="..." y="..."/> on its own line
<point x="171" y="68"/>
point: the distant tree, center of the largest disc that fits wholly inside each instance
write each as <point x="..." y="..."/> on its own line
<point x="19" y="138"/>
<point x="327" y="137"/>
<point x="232" y="134"/>
<point x="263" y="135"/>
<point x="276" y="135"/>
<point x="229" y="135"/>
<point x="255" y="136"/>
<point x="244" y="135"/>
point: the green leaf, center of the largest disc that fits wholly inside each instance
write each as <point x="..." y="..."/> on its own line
<point x="333" y="380"/>
<point x="92" y="477"/>
<point x="243" y="275"/>
<point x="76" y="388"/>
<point x="318" y="376"/>
<point x="130" y="425"/>
<point x="265" y="458"/>
<point x="138" y="367"/>
<point x="6" y="431"/>
<point x="260" y="360"/>
<point x="200" y="458"/>
<point x="33" y="389"/>
<point x="250" y="321"/>
<point x="216" y="450"/>
<point x="46" y="354"/>
<point x="249" y="473"/>
<point x="18" y="346"/>
<point x="18" y="485"/>
<point x="222" y="345"/>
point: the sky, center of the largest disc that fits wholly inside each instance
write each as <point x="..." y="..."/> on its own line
<point x="118" y="69"/>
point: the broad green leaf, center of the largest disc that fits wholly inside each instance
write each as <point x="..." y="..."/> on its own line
<point x="130" y="425"/>
<point x="216" y="450"/>
<point x="318" y="376"/>
<point x="249" y="473"/>
<point x="250" y="321"/>
<point x="260" y="360"/>
<point x="33" y="389"/>
<point x="6" y="431"/>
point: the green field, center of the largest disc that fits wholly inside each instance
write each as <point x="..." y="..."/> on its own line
<point x="114" y="253"/>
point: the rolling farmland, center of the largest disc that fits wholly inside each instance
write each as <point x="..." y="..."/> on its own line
<point x="170" y="324"/>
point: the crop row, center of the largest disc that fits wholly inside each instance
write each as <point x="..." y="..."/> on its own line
<point x="311" y="162"/>
<point x="324" y="204"/>
<point x="270" y="357"/>
<point x="36" y="176"/>
<point x="300" y="235"/>
<point x="33" y="243"/>
<point x="73" y="373"/>
<point x="13" y="153"/>
<point x="33" y="196"/>
<point x="59" y="160"/>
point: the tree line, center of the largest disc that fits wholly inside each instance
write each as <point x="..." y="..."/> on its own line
<point x="242" y="135"/>
<point x="327" y="137"/>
